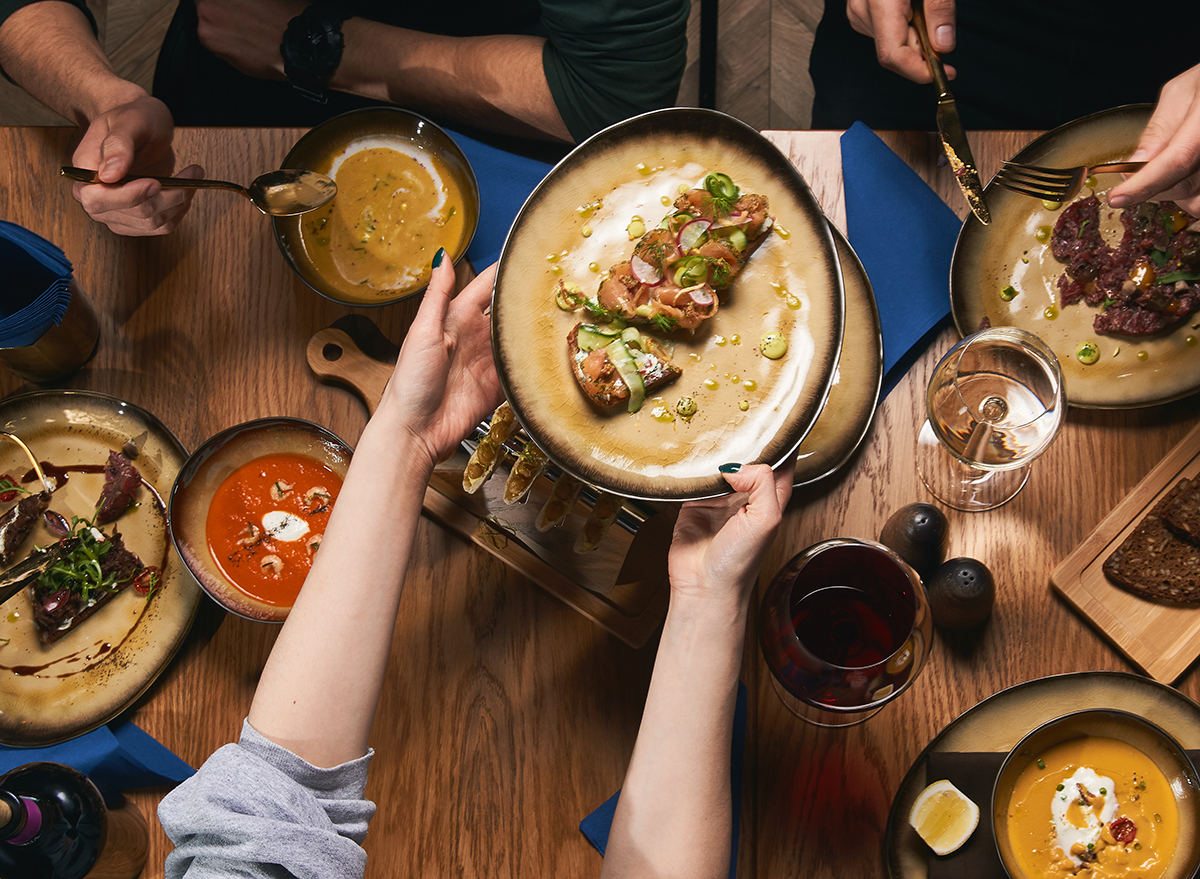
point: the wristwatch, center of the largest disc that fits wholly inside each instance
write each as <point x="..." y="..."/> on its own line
<point x="312" y="49"/>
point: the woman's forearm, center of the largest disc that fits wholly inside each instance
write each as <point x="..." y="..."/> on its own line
<point x="319" y="689"/>
<point x="674" y="817"/>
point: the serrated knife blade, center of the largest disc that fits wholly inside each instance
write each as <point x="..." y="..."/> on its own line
<point x="954" y="139"/>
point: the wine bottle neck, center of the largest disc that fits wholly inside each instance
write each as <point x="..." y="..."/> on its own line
<point x="20" y="818"/>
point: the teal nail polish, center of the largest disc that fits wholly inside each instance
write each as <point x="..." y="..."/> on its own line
<point x="730" y="468"/>
<point x="439" y="256"/>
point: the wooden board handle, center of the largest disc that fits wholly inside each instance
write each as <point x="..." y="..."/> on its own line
<point x="336" y="358"/>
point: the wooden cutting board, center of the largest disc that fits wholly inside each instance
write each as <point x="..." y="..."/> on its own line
<point x="622" y="585"/>
<point x="1162" y="639"/>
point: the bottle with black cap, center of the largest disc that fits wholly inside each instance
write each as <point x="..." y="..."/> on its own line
<point x="54" y="824"/>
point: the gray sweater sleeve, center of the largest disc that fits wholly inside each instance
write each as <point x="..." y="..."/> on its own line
<point x="255" y="809"/>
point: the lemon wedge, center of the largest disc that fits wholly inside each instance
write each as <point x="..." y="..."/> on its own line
<point x="944" y="817"/>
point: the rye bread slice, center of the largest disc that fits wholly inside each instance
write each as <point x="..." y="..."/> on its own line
<point x="1183" y="514"/>
<point x="1153" y="562"/>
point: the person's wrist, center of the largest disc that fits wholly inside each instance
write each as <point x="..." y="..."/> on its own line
<point x="110" y="94"/>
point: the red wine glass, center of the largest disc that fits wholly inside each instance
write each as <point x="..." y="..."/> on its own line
<point x="845" y="629"/>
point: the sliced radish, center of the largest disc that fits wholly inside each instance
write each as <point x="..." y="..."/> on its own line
<point x="646" y="273"/>
<point x="692" y="234"/>
<point x="701" y="295"/>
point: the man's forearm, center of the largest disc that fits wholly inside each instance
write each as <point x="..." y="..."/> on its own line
<point x="493" y="82"/>
<point x="49" y="50"/>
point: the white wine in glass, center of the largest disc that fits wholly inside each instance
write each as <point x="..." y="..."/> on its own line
<point x="994" y="404"/>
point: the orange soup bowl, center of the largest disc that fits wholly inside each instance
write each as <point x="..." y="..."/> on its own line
<point x="248" y="509"/>
<point x="405" y="188"/>
<point x="1106" y="790"/>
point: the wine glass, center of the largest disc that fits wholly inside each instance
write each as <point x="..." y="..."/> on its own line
<point x="994" y="404"/>
<point x="845" y="629"/>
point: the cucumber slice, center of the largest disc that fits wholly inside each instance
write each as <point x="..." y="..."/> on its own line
<point x="592" y="337"/>
<point x="626" y="366"/>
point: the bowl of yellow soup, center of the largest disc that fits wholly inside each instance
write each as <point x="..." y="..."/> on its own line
<point x="1097" y="794"/>
<point x="404" y="189"/>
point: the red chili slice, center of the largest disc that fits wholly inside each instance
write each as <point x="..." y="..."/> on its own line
<point x="147" y="580"/>
<point x="1123" y="829"/>
<point x="11" y="493"/>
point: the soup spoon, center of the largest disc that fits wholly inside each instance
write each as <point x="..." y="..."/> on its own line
<point x="281" y="193"/>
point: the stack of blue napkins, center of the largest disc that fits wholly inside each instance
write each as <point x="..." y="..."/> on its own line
<point x="116" y="757"/>
<point x="505" y="181"/>
<point x="37" y="286"/>
<point x="904" y="234"/>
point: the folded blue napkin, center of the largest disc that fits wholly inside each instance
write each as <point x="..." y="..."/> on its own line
<point x="597" y="825"/>
<point x="37" y="286"/>
<point x="904" y="234"/>
<point x="116" y="757"/>
<point x="505" y="181"/>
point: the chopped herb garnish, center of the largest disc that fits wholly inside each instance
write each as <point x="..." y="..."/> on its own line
<point x="664" y="322"/>
<point x="1172" y="277"/>
<point x="1159" y="258"/>
<point x="1060" y="787"/>
<point x="79" y="570"/>
<point x="1082" y="226"/>
<point x="1041" y="763"/>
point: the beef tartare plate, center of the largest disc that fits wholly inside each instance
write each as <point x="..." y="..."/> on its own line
<point x="1148" y="283"/>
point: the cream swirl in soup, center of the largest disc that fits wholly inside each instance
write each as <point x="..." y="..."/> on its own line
<point x="396" y="205"/>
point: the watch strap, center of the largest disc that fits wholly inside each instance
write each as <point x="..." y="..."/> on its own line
<point x="312" y="49"/>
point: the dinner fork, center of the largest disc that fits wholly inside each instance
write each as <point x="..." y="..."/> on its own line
<point x="1055" y="184"/>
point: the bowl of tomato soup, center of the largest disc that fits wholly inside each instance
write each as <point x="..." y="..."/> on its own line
<point x="404" y="189"/>
<point x="249" y="509"/>
<point x="1097" y="794"/>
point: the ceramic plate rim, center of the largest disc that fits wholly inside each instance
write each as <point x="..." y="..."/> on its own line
<point x="823" y="240"/>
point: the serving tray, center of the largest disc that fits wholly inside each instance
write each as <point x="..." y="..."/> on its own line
<point x="1162" y="639"/>
<point x="622" y="585"/>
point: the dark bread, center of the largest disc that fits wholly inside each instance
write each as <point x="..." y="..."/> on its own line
<point x="1183" y="514"/>
<point x="1153" y="562"/>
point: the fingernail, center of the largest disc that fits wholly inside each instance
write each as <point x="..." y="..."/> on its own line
<point x="439" y="256"/>
<point x="1118" y="201"/>
<point x="945" y="38"/>
<point x="1138" y="155"/>
<point x="730" y="468"/>
<point x="109" y="167"/>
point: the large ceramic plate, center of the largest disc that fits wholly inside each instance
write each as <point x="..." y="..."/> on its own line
<point x="49" y="693"/>
<point x="792" y="284"/>
<point x="989" y="258"/>
<point x="997" y="723"/>
<point x="854" y="392"/>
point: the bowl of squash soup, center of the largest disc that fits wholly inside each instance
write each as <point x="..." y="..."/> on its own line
<point x="1097" y="794"/>
<point x="404" y="189"/>
<point x="249" y="509"/>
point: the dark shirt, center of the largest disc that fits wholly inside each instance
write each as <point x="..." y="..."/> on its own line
<point x="604" y="60"/>
<point x="1022" y="64"/>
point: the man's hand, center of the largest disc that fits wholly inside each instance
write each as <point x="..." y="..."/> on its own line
<point x="896" y="43"/>
<point x="1171" y="146"/>
<point x="132" y="138"/>
<point x="247" y="33"/>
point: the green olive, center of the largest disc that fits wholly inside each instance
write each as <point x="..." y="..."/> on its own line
<point x="773" y="345"/>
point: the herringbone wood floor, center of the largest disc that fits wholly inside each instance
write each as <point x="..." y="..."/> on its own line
<point x="762" y="62"/>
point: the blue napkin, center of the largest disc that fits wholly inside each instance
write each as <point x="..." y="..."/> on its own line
<point x="596" y="825"/>
<point x="505" y="181"/>
<point x="116" y="757"/>
<point x="904" y="234"/>
<point x="37" y="286"/>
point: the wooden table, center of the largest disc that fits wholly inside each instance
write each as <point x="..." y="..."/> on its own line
<point x="507" y="717"/>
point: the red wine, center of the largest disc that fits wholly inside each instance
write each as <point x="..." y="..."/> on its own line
<point x="845" y="626"/>
<point x="54" y="825"/>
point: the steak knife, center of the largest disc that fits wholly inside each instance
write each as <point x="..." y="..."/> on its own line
<point x="954" y="139"/>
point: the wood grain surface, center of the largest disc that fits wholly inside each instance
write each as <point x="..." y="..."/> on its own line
<point x="507" y="716"/>
<point x="1161" y="638"/>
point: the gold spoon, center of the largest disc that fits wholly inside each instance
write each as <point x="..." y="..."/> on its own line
<point x="281" y="193"/>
